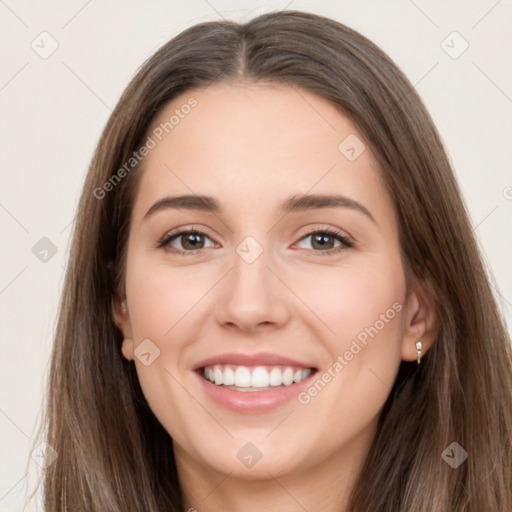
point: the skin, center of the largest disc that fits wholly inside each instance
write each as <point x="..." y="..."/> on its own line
<point x="252" y="147"/>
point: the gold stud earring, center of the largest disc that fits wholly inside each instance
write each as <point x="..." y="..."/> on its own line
<point x="418" y="349"/>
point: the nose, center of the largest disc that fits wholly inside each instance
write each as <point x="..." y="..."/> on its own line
<point x="252" y="298"/>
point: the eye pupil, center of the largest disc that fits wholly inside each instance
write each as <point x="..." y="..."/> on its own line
<point x="323" y="241"/>
<point x="194" y="239"/>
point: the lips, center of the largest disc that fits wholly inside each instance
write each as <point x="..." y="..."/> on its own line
<point x="261" y="359"/>
<point x="252" y="383"/>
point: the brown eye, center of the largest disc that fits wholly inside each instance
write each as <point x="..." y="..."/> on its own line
<point x="186" y="241"/>
<point x="192" y="241"/>
<point x="327" y="241"/>
<point x="321" y="241"/>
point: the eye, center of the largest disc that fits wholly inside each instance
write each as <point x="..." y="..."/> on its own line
<point x="325" y="240"/>
<point x="187" y="240"/>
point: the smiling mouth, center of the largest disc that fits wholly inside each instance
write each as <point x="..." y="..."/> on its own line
<point x="254" y="378"/>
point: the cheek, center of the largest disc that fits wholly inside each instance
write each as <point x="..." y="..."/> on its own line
<point x="353" y="297"/>
<point x="362" y="306"/>
<point x="161" y="301"/>
<point x="161" y="297"/>
<point x="369" y="300"/>
<point x="165" y="302"/>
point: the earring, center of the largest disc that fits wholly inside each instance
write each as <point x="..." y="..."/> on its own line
<point x="418" y="348"/>
<point x="123" y="306"/>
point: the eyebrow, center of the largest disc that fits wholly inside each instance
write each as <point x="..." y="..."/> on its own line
<point x="293" y="204"/>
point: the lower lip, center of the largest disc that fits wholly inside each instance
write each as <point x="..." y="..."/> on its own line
<point x="252" y="401"/>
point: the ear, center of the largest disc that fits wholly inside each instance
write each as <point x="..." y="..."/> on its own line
<point x="121" y="318"/>
<point x="420" y="319"/>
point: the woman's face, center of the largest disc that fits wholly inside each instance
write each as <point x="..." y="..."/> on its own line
<point x="289" y="292"/>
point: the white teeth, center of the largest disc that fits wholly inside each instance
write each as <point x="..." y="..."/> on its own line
<point x="259" y="377"/>
<point x="288" y="377"/>
<point x="254" y="378"/>
<point x="242" y="377"/>
<point x="275" y="377"/>
<point x="228" y="377"/>
<point x="217" y="374"/>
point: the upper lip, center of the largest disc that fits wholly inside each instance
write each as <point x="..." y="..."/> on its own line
<point x="259" y="359"/>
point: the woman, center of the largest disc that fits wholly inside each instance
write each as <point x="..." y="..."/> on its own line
<point x="274" y="299"/>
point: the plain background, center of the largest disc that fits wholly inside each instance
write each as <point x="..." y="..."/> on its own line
<point x="53" y="110"/>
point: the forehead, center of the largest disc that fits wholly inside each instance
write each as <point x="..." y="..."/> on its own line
<point x="255" y="144"/>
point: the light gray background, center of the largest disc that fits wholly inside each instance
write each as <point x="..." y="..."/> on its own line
<point x="54" y="109"/>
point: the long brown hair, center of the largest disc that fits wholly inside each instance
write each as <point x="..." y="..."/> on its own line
<point x="114" y="455"/>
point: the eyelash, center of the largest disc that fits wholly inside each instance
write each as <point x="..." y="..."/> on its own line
<point x="346" y="242"/>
